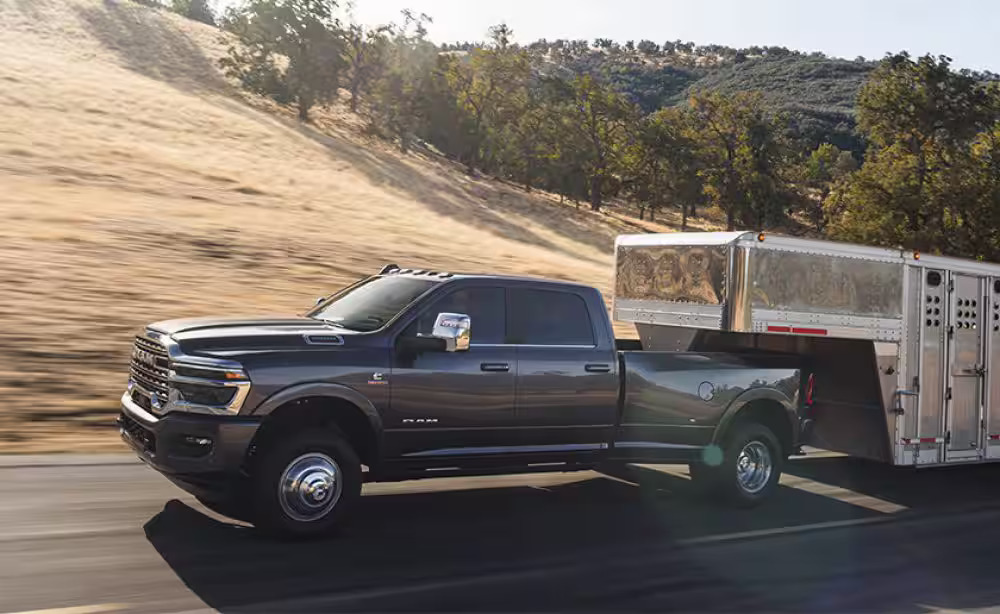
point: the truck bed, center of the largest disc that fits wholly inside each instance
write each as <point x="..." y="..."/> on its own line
<point x="676" y="401"/>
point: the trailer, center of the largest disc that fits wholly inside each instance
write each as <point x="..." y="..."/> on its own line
<point x="901" y="345"/>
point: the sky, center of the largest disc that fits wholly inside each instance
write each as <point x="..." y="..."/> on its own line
<point x="968" y="31"/>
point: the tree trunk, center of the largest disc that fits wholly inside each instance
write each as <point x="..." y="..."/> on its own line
<point x="304" y="105"/>
<point x="730" y="220"/>
<point x="642" y="213"/>
<point x="562" y="198"/>
<point x="354" y="98"/>
<point x="684" y="218"/>
<point x="595" y="194"/>
<point x="652" y="214"/>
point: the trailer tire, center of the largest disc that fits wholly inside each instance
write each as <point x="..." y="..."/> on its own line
<point x="306" y="485"/>
<point x="751" y="466"/>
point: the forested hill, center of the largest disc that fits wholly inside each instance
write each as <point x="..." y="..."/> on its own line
<point x="817" y="92"/>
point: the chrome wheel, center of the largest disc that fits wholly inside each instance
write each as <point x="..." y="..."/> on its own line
<point x="754" y="467"/>
<point x="310" y="487"/>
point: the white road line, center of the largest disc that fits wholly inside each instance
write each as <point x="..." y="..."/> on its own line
<point x="802" y="528"/>
<point x="81" y="609"/>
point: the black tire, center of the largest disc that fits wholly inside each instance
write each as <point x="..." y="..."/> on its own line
<point x="304" y="511"/>
<point x="757" y="482"/>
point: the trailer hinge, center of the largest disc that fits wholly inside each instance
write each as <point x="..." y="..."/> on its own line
<point x="951" y="285"/>
<point x="951" y="332"/>
<point x="916" y="384"/>
<point x="947" y="438"/>
<point x="947" y="394"/>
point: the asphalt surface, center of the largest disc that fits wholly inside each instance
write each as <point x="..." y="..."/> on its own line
<point x="108" y="534"/>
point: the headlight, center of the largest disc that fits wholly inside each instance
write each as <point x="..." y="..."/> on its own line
<point x="207" y="388"/>
<point x="204" y="395"/>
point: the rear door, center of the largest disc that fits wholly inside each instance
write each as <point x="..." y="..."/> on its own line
<point x="966" y="367"/>
<point x="567" y="380"/>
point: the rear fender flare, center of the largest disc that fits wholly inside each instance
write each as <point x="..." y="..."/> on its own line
<point x="744" y="400"/>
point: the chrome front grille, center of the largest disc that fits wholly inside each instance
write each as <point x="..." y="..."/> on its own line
<point x="150" y="366"/>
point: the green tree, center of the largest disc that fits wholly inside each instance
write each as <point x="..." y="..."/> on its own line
<point x="399" y="96"/>
<point x="365" y="51"/>
<point x="485" y="87"/>
<point x="596" y="119"/>
<point x="290" y="50"/>
<point x="826" y="166"/>
<point x="926" y="181"/>
<point x="199" y="10"/>
<point x="741" y="156"/>
<point x="662" y="164"/>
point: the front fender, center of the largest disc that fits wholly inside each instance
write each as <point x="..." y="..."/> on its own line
<point x="740" y="404"/>
<point x="321" y="389"/>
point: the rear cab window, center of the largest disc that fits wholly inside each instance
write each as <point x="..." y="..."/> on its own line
<point x="550" y="318"/>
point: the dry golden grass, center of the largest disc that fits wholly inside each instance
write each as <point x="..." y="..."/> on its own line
<point x="139" y="185"/>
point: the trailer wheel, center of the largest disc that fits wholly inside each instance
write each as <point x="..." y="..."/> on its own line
<point x="751" y="466"/>
<point x="306" y="485"/>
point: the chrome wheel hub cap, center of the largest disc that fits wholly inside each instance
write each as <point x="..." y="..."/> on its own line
<point x="753" y="467"/>
<point x="310" y="487"/>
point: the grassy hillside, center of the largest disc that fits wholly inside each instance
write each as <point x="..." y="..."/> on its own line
<point x="139" y="185"/>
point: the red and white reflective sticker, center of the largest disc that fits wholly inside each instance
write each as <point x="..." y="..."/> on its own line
<point x="993" y="437"/>
<point x="906" y="441"/>
<point x="796" y="330"/>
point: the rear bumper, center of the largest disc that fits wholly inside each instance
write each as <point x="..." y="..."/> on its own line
<point x="191" y="449"/>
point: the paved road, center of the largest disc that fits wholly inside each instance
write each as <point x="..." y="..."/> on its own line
<point x="841" y="536"/>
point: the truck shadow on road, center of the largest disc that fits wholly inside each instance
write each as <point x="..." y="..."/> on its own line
<point x="585" y="541"/>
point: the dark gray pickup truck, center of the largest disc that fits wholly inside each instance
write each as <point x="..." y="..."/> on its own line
<point x="412" y="374"/>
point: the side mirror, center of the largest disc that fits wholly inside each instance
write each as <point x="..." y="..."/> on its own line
<point x="454" y="329"/>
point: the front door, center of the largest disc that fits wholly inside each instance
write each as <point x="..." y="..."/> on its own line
<point x="446" y="405"/>
<point x="966" y="366"/>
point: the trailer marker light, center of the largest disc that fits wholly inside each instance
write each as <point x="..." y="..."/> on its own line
<point x="779" y="329"/>
<point x="994" y="437"/>
<point x="809" y="331"/>
<point x="760" y="237"/>
<point x="916" y="255"/>
<point x="810" y="384"/>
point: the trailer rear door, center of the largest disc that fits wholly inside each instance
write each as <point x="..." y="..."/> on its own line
<point x="966" y="366"/>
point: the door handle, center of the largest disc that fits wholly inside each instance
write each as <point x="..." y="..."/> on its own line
<point x="500" y="367"/>
<point x="597" y="368"/>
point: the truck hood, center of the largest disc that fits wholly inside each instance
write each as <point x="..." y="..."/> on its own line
<point x="241" y="334"/>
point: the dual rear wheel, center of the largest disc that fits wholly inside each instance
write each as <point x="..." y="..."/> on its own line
<point x="747" y="473"/>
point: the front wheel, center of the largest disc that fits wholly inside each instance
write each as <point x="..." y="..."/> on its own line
<point x="306" y="484"/>
<point x="750" y="468"/>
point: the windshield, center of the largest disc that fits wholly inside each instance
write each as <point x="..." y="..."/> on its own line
<point x="372" y="304"/>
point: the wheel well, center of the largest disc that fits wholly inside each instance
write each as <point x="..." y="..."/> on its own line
<point x="318" y="412"/>
<point x="770" y="414"/>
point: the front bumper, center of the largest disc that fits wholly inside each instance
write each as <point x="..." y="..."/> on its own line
<point x="189" y="447"/>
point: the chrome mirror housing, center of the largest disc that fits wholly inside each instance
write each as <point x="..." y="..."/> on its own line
<point x="455" y="329"/>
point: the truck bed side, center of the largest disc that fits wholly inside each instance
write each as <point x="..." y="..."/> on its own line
<point x="675" y="403"/>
